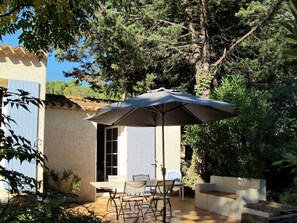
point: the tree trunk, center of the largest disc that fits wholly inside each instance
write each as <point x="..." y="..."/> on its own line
<point x="200" y="49"/>
<point x="203" y="66"/>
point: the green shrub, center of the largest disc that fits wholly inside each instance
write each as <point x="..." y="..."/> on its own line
<point x="46" y="208"/>
<point x="289" y="196"/>
<point x="65" y="181"/>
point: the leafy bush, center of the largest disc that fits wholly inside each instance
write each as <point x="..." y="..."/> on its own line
<point x="289" y="196"/>
<point x="46" y="208"/>
<point x="289" y="161"/>
<point x="248" y="144"/>
<point x="65" y="181"/>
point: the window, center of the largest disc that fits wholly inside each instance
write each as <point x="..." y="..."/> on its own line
<point x="111" y="152"/>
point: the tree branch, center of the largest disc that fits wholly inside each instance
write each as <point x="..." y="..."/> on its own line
<point x="270" y="13"/>
<point x="18" y="6"/>
<point x="172" y="23"/>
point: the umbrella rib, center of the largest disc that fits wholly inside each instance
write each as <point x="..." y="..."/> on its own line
<point x="190" y="113"/>
<point x="132" y="110"/>
<point x="153" y="109"/>
<point x="179" y="105"/>
<point x="124" y="116"/>
<point x="195" y="117"/>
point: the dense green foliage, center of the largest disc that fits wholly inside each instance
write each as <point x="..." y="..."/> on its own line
<point x="241" y="145"/>
<point x="289" y="158"/>
<point x="74" y="88"/>
<point x="65" y="181"/>
<point x="291" y="27"/>
<point x="47" y="209"/>
<point x="169" y="43"/>
<point x="248" y="144"/>
<point x="46" y="25"/>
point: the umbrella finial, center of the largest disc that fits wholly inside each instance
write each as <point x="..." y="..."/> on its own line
<point x="159" y="89"/>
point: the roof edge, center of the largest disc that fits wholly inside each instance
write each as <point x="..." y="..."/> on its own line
<point x="69" y="102"/>
<point x="20" y="51"/>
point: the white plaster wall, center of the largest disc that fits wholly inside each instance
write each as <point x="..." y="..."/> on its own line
<point x="70" y="144"/>
<point x="232" y="184"/>
<point x="24" y="68"/>
<point x="27" y="68"/>
<point x="122" y="151"/>
<point x="172" y="148"/>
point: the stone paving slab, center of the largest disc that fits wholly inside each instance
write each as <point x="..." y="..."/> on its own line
<point x="184" y="211"/>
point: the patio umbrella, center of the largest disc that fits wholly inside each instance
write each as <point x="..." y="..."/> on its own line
<point x="163" y="107"/>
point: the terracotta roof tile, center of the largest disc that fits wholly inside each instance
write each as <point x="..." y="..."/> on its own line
<point x="16" y="51"/>
<point x="74" y="102"/>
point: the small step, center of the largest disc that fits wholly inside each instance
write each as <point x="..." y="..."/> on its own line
<point x="271" y="212"/>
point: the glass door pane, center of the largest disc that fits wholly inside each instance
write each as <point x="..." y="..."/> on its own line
<point x="111" y="152"/>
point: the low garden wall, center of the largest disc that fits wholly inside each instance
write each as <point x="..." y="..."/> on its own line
<point x="228" y="195"/>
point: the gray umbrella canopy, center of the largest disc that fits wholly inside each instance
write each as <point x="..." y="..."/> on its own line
<point x="163" y="107"/>
<point x="176" y="108"/>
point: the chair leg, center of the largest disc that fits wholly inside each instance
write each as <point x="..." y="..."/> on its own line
<point x="122" y="211"/>
<point x="170" y="209"/>
<point x="156" y="205"/>
<point x="139" y="206"/>
<point x="169" y="203"/>
<point x="152" y="206"/>
<point x="133" y="213"/>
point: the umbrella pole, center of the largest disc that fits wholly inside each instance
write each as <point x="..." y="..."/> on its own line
<point x="163" y="170"/>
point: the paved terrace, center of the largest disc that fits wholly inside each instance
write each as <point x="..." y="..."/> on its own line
<point x="183" y="211"/>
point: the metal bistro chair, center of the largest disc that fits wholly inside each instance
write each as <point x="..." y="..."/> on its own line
<point x="114" y="195"/>
<point x="133" y="193"/>
<point x="158" y="196"/>
<point x="176" y="176"/>
<point x="141" y="177"/>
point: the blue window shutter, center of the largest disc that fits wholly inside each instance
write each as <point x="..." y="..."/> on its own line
<point x="26" y="124"/>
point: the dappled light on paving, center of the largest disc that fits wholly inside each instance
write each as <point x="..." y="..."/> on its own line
<point x="183" y="211"/>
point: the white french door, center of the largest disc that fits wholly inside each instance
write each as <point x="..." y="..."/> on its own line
<point x="141" y="151"/>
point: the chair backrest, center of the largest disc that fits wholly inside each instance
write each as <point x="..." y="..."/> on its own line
<point x="141" y="177"/>
<point x="115" y="178"/>
<point x="168" y="186"/>
<point x="134" y="187"/>
<point x="174" y="175"/>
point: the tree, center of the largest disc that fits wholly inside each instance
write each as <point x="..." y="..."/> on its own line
<point x="179" y="44"/>
<point x="74" y="88"/>
<point x="49" y="25"/>
<point x="46" y="25"/>
<point x="56" y="87"/>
